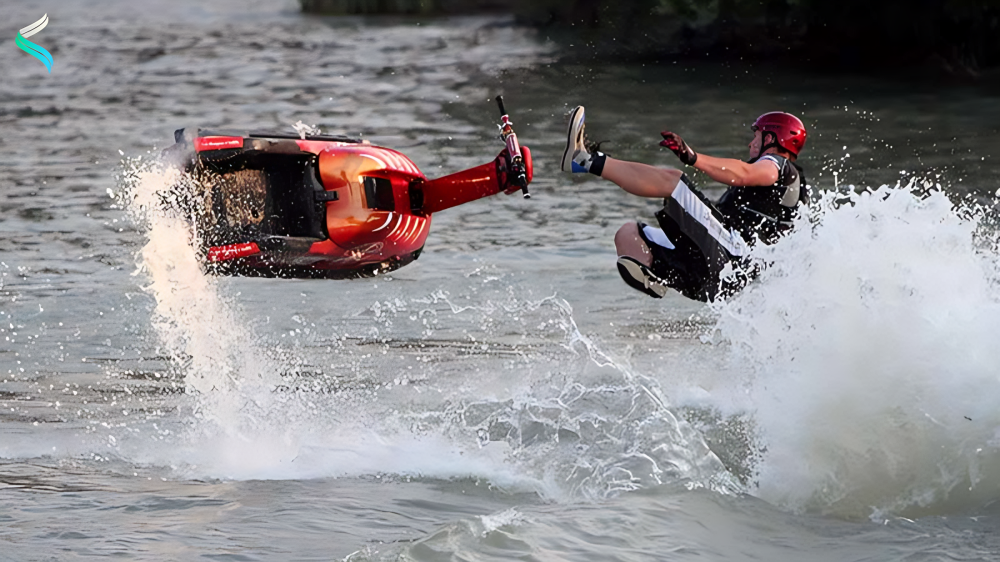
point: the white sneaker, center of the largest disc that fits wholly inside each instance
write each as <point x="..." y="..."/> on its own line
<point x="576" y="158"/>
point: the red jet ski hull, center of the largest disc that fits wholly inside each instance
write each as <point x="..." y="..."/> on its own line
<point x="331" y="207"/>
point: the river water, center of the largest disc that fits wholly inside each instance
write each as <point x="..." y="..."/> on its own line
<point x="506" y="396"/>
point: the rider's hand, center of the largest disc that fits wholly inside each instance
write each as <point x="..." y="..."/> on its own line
<point x="674" y="142"/>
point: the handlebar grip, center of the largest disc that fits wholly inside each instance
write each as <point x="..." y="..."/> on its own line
<point x="515" y="161"/>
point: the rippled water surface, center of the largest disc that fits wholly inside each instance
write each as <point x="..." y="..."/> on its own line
<point x="505" y="396"/>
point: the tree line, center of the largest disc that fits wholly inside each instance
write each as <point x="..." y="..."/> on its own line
<point x="960" y="37"/>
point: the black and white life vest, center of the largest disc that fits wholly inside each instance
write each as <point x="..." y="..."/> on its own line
<point x="766" y="212"/>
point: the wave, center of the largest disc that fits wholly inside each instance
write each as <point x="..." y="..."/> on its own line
<point x="868" y="358"/>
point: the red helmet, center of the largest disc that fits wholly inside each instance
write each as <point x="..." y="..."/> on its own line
<point x="788" y="130"/>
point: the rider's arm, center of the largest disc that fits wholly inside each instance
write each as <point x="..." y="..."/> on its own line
<point x="724" y="170"/>
<point x="736" y="172"/>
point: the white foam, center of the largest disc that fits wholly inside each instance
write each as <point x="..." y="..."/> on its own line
<point x="869" y="351"/>
<point x="506" y="518"/>
<point x="297" y="453"/>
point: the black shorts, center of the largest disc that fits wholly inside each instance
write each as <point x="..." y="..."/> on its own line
<point x="703" y="244"/>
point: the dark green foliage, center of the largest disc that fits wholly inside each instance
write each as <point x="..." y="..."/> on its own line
<point x="617" y="16"/>
<point x="355" y="7"/>
<point x="628" y="27"/>
<point x="956" y="36"/>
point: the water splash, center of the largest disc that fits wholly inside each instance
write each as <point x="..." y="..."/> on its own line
<point x="199" y="329"/>
<point x="304" y="129"/>
<point x="585" y="424"/>
<point x="574" y="422"/>
<point x="255" y="414"/>
<point x="868" y="354"/>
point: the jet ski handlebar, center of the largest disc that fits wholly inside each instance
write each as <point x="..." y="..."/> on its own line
<point x="518" y="170"/>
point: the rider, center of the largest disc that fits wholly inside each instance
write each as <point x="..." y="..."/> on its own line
<point x="697" y="238"/>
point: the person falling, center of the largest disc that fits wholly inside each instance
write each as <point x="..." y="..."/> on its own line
<point x="697" y="238"/>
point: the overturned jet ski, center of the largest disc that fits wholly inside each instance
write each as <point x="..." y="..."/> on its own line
<point x="280" y="205"/>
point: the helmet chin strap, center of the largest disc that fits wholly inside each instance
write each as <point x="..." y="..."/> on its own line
<point x="764" y="145"/>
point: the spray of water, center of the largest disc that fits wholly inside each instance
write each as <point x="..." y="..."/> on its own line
<point x="592" y="427"/>
<point x="864" y="357"/>
<point x="304" y="129"/>
<point x="868" y="354"/>
<point x="201" y="331"/>
<point x="574" y="422"/>
<point x="252" y="415"/>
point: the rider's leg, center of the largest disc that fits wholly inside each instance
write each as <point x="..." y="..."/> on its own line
<point x="641" y="179"/>
<point x="636" y="262"/>
<point x="629" y="243"/>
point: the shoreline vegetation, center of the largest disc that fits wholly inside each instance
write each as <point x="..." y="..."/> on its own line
<point x="957" y="39"/>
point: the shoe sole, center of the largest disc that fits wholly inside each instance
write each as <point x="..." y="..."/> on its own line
<point x="638" y="277"/>
<point x="567" y="160"/>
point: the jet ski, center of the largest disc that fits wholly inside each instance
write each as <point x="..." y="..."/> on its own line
<point x="321" y="206"/>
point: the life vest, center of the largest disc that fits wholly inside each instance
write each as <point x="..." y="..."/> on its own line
<point x="766" y="212"/>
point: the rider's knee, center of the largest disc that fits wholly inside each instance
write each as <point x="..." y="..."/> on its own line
<point x="627" y="233"/>
<point x="628" y="242"/>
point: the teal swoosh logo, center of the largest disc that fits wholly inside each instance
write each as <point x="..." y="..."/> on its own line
<point x="31" y="48"/>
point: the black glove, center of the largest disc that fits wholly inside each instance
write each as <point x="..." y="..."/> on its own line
<point x="674" y="142"/>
